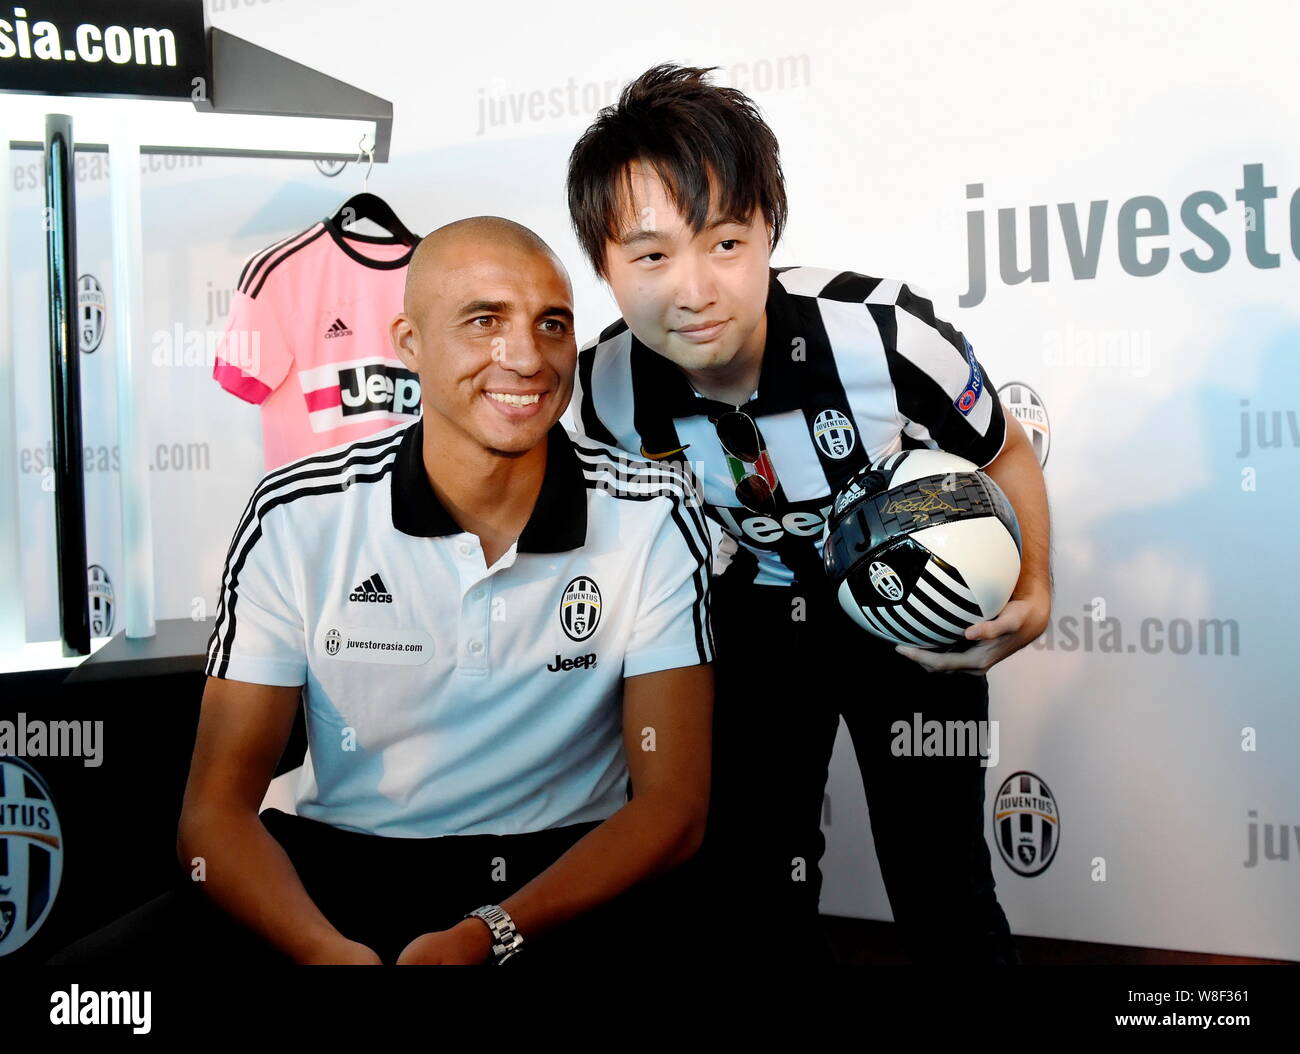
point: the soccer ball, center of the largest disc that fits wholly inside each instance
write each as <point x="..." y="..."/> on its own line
<point x="920" y="545"/>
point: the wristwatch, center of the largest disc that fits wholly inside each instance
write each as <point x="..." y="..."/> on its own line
<point x="506" y="940"/>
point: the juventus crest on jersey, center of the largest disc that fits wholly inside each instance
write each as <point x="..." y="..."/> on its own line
<point x="854" y="368"/>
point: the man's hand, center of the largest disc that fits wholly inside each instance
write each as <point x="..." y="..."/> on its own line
<point x="1020" y="622"/>
<point x="342" y="952"/>
<point x="468" y="943"/>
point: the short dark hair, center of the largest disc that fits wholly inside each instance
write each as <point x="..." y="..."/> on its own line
<point x="687" y="129"/>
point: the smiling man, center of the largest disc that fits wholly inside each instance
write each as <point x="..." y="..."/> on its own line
<point x="777" y="384"/>
<point x="498" y="633"/>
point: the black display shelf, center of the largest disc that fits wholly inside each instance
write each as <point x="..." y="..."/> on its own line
<point x="179" y="645"/>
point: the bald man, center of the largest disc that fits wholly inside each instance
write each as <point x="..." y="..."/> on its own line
<point x="500" y="637"/>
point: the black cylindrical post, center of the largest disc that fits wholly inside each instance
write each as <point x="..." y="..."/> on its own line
<point x="65" y="383"/>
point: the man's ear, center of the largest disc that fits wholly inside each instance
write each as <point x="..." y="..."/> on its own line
<point x="401" y="331"/>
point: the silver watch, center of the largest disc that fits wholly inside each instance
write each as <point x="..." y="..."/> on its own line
<point x="506" y="940"/>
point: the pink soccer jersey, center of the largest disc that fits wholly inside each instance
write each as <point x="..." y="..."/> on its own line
<point x="307" y="340"/>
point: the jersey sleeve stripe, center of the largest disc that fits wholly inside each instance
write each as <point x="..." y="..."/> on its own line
<point x="655" y="474"/>
<point x="644" y="480"/>
<point x="697" y="545"/>
<point x="228" y="639"/>
<point x="259" y="280"/>
<point x="292" y="476"/>
<point x="256" y="259"/>
<point x="591" y="423"/>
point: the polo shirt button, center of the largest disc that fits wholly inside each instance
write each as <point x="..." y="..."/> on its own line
<point x="465" y="548"/>
<point x="476" y="595"/>
<point x="476" y="646"/>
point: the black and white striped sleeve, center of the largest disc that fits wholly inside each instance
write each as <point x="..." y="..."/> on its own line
<point x="944" y="393"/>
<point x="582" y="405"/>
<point x="258" y="635"/>
<point x="672" y="625"/>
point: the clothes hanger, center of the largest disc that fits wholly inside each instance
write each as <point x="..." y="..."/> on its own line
<point x="367" y="206"/>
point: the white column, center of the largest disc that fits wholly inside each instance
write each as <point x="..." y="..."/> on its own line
<point x="130" y="342"/>
<point x="13" y="628"/>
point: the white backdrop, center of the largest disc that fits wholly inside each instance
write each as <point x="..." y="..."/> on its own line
<point x="1160" y="708"/>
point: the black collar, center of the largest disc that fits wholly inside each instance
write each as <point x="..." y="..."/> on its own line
<point x="342" y="239"/>
<point x="558" y="521"/>
<point x="781" y="377"/>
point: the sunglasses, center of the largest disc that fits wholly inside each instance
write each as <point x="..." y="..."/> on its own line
<point x="740" y="439"/>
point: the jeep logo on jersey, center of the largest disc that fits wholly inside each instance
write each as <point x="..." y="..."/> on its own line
<point x="886" y="580"/>
<point x="344" y="393"/>
<point x="379" y="386"/>
<point x="580" y="608"/>
<point x="31" y="853"/>
<point x="1026" y="406"/>
<point x="100" y="595"/>
<point x="803" y="519"/>
<point x="333" y="641"/>
<point x="834" y="434"/>
<point x="90" y="313"/>
<point x="1026" y="824"/>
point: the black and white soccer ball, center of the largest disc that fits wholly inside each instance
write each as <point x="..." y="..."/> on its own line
<point x="919" y="546"/>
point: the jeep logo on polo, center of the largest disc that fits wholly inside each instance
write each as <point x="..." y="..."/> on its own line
<point x="1026" y="824"/>
<point x="582" y="662"/>
<point x="379" y="386"/>
<point x="580" y="608"/>
<point x="31" y="853"/>
<point x="834" y="434"/>
<point x="886" y="580"/>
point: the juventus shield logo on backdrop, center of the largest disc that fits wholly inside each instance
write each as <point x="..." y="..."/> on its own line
<point x="1026" y="406"/>
<point x="100" y="596"/>
<point x="580" y="608"/>
<point x="1026" y="824"/>
<point x="91" y="305"/>
<point x="31" y="853"/>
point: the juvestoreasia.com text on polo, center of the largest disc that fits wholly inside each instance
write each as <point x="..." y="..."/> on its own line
<point x="386" y="645"/>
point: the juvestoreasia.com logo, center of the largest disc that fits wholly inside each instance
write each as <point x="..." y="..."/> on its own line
<point x="22" y="37"/>
<point x="1093" y="630"/>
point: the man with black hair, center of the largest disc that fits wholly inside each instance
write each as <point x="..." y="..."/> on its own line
<point x="776" y="384"/>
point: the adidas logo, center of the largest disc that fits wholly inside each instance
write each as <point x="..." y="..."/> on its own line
<point x="338" y="329"/>
<point x="849" y="497"/>
<point x="372" y="591"/>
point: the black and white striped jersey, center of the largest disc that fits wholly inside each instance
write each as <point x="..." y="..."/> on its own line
<point x="854" y="368"/>
<point x="443" y="696"/>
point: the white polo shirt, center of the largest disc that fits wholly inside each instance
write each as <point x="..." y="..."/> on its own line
<point x="445" y="697"/>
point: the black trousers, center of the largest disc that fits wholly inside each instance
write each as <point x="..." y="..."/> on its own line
<point x="385" y="892"/>
<point x="788" y="666"/>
